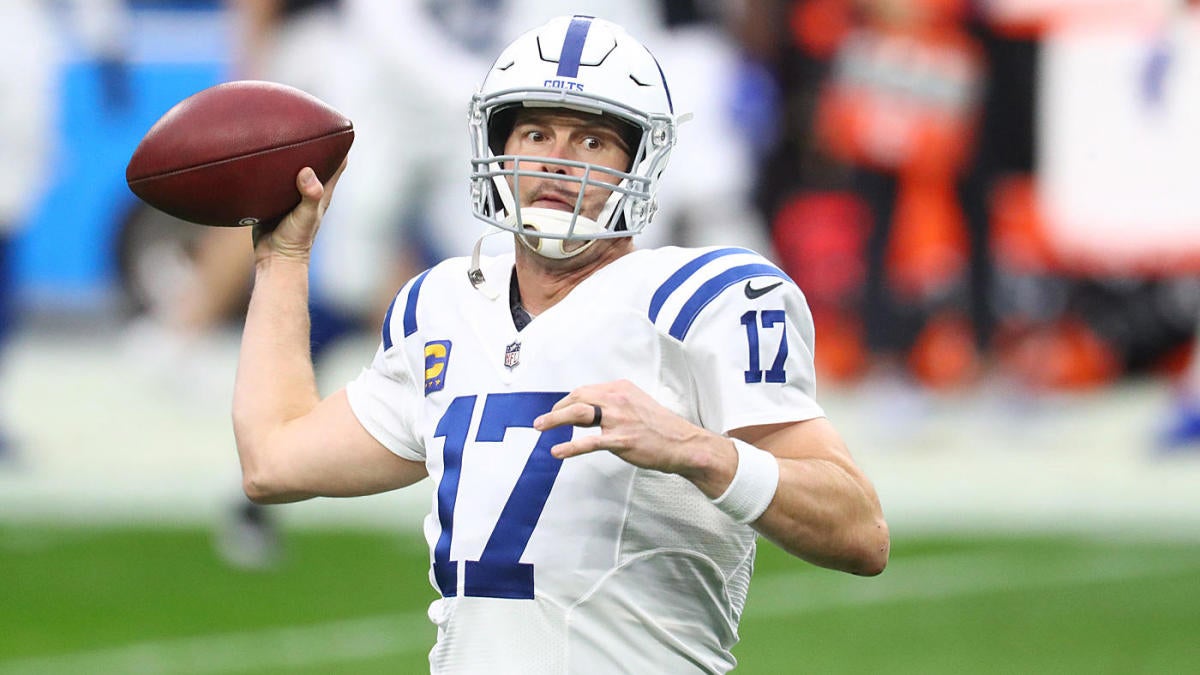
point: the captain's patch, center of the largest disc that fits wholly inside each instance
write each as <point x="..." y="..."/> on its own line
<point x="437" y="360"/>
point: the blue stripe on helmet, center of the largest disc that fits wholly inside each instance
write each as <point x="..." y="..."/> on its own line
<point x="572" y="50"/>
<point x="666" y="89"/>
<point x="710" y="289"/>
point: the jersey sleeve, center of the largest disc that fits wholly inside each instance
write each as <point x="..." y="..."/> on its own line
<point x="386" y="397"/>
<point x="747" y="336"/>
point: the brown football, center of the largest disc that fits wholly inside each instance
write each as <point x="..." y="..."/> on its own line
<point x="229" y="155"/>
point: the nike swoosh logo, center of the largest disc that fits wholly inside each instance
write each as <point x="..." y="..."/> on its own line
<point x="752" y="292"/>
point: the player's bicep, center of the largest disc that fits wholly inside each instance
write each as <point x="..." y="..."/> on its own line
<point x="329" y="453"/>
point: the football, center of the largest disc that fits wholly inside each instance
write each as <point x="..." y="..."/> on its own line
<point x="228" y="156"/>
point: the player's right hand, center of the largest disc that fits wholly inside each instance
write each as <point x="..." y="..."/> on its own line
<point x="293" y="237"/>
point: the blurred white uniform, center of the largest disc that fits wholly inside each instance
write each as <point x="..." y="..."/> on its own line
<point x="589" y="565"/>
<point x="29" y="59"/>
<point x="405" y="78"/>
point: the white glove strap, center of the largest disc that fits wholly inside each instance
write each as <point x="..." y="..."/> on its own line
<point x="753" y="485"/>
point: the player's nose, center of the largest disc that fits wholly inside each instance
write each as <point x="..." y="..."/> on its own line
<point x="560" y="149"/>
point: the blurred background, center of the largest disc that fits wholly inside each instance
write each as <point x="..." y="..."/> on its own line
<point x="989" y="204"/>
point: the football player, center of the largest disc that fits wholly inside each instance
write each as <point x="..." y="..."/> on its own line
<point x="608" y="429"/>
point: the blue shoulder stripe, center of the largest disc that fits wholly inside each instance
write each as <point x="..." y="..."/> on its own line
<point x="410" y="307"/>
<point x="387" y="324"/>
<point x="682" y="274"/>
<point x="710" y="289"/>
<point x="410" y="312"/>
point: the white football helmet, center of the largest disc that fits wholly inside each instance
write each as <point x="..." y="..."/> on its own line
<point x="580" y="63"/>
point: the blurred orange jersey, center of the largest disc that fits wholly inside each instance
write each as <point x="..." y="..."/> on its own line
<point x="903" y="98"/>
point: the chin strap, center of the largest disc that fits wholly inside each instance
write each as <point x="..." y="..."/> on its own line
<point x="532" y="221"/>
<point x="475" y="274"/>
<point x="553" y="248"/>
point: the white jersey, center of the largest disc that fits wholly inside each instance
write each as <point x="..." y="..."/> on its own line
<point x="589" y="564"/>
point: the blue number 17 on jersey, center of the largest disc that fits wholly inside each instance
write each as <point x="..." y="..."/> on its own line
<point x="498" y="573"/>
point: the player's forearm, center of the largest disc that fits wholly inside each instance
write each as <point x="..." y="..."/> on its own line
<point x="826" y="515"/>
<point x="275" y="380"/>
<point x="822" y="510"/>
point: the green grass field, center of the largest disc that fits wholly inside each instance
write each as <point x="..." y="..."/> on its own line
<point x="92" y="600"/>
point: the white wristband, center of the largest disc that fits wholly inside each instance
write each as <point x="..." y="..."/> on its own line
<point x="753" y="485"/>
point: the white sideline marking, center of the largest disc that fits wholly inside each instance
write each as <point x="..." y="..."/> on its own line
<point x="771" y="596"/>
<point x="273" y="648"/>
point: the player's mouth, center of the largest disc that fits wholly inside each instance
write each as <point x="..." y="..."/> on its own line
<point x="559" y="201"/>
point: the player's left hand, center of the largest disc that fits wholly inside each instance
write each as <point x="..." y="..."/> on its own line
<point x="637" y="429"/>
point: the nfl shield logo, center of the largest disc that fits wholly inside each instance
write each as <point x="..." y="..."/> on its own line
<point x="512" y="355"/>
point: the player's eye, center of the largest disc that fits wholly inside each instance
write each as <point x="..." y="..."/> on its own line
<point x="592" y="143"/>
